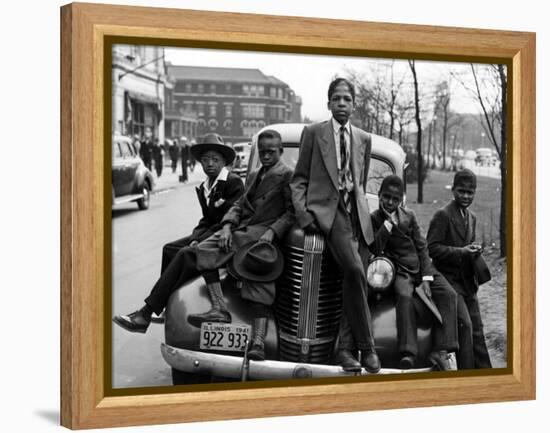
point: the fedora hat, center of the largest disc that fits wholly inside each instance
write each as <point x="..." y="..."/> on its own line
<point x="214" y="142"/>
<point x="257" y="261"/>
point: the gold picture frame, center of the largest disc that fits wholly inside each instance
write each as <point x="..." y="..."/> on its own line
<point x="87" y="30"/>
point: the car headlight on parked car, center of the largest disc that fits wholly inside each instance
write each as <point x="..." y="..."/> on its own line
<point x="380" y="274"/>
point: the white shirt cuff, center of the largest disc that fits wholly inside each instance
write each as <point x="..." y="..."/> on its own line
<point x="427" y="278"/>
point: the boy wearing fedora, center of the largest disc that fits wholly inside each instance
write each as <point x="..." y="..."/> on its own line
<point x="262" y="215"/>
<point x="451" y="242"/>
<point x="397" y="236"/>
<point x="220" y="190"/>
<point x="328" y="192"/>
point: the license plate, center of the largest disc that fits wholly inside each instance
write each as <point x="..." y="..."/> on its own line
<point x="224" y="336"/>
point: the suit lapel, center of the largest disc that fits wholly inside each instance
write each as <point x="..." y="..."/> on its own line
<point x="328" y="150"/>
<point x="458" y="221"/>
<point x="357" y="152"/>
<point x="270" y="179"/>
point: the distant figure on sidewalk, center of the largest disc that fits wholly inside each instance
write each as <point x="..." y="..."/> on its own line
<point x="137" y="144"/>
<point x="173" y="150"/>
<point x="158" y="154"/>
<point x="184" y="159"/>
<point x="146" y="150"/>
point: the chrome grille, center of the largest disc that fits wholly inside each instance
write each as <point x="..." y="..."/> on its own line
<point x="309" y="302"/>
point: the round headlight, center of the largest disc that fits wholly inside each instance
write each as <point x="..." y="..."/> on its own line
<point x="380" y="274"/>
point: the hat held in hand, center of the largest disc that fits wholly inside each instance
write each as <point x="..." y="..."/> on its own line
<point x="257" y="261"/>
<point x="213" y="141"/>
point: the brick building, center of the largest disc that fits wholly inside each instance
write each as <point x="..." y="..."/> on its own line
<point x="233" y="102"/>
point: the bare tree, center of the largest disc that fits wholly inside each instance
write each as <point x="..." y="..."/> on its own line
<point x="490" y="91"/>
<point x="420" y="162"/>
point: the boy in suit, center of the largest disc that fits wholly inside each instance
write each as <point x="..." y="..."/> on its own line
<point x="216" y="194"/>
<point x="264" y="213"/>
<point x="397" y="236"/>
<point x="451" y="238"/>
<point x="328" y="192"/>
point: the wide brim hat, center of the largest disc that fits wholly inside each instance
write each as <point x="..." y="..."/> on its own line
<point x="257" y="261"/>
<point x="214" y="142"/>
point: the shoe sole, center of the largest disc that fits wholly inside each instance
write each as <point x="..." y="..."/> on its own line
<point x="351" y="369"/>
<point x="436" y="363"/>
<point x="123" y="325"/>
<point x="158" y="320"/>
<point x="197" y="323"/>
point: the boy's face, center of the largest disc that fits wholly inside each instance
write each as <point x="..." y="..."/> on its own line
<point x="390" y="198"/>
<point x="212" y="163"/>
<point x="341" y="103"/>
<point x="464" y="193"/>
<point x="269" y="150"/>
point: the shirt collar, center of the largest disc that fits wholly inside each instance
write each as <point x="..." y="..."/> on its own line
<point x="222" y="175"/>
<point x="336" y="126"/>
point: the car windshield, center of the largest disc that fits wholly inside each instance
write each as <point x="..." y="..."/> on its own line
<point x="378" y="169"/>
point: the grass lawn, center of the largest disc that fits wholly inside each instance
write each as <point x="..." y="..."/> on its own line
<point x="492" y="295"/>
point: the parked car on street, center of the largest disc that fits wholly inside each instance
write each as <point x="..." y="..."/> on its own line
<point x="303" y="328"/>
<point x="242" y="154"/>
<point x="131" y="180"/>
<point x="485" y="157"/>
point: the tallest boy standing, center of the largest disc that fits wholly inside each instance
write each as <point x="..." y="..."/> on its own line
<point x="328" y="193"/>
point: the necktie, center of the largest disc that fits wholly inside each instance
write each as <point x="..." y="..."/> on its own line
<point x="344" y="169"/>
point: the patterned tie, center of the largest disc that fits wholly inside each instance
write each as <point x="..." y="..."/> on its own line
<point x="344" y="169"/>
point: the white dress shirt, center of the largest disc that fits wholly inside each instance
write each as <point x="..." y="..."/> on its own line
<point x="224" y="172"/>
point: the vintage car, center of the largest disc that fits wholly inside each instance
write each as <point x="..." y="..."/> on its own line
<point x="131" y="180"/>
<point x="303" y="330"/>
<point x="242" y="155"/>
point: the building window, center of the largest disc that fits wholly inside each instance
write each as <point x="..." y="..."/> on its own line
<point x="261" y="124"/>
<point x="228" y="124"/>
<point x="212" y="110"/>
<point x="244" y="124"/>
<point x="228" y="110"/>
<point x="200" y="109"/>
<point x="228" y="88"/>
<point x="245" y="89"/>
<point x="188" y="88"/>
<point x="280" y="93"/>
<point x="201" y="126"/>
<point x="261" y="90"/>
<point x="213" y="124"/>
<point x="200" y="88"/>
<point x="273" y="92"/>
<point x="212" y="88"/>
<point x="253" y="110"/>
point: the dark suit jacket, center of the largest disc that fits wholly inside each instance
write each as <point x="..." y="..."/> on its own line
<point x="447" y="234"/>
<point x="268" y="206"/>
<point x="404" y="246"/>
<point x="315" y="183"/>
<point x="224" y="195"/>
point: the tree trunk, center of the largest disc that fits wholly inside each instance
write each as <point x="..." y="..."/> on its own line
<point x="503" y="162"/>
<point x="419" y="161"/>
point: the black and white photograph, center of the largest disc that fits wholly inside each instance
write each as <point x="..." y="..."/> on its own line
<point x="290" y="216"/>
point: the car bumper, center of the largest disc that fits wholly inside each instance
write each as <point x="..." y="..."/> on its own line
<point x="232" y="366"/>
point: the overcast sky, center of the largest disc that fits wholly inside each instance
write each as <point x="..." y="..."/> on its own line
<point x="309" y="75"/>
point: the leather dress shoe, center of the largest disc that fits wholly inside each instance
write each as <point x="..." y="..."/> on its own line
<point x="348" y="362"/>
<point x="440" y="360"/>
<point x="214" y="315"/>
<point x="406" y="362"/>
<point x="158" y="318"/>
<point x="134" y="322"/>
<point x="370" y="360"/>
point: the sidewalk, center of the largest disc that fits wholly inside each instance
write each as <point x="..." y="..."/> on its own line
<point x="169" y="180"/>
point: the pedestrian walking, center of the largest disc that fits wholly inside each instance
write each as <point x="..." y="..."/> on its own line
<point x="185" y="153"/>
<point x="173" y="150"/>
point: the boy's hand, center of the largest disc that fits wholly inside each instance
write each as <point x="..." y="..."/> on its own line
<point x="425" y="285"/>
<point x="472" y="250"/>
<point x="226" y="238"/>
<point x="268" y="236"/>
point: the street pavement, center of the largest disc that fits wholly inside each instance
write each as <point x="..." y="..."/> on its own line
<point x="137" y="240"/>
